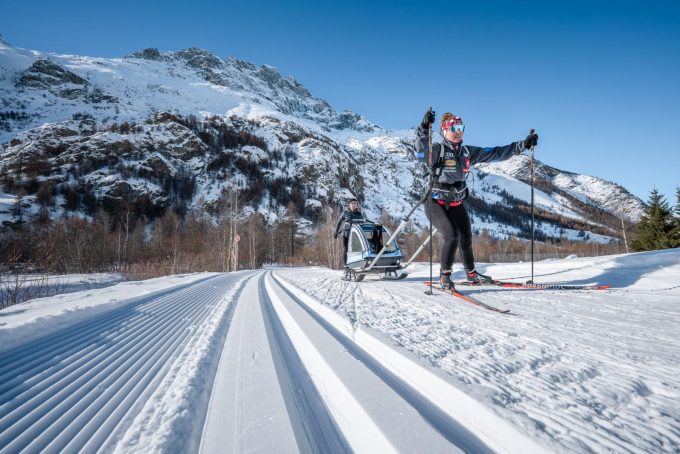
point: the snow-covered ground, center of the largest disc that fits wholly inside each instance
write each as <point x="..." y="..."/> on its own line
<point x="294" y="359"/>
<point x="22" y="287"/>
<point x="578" y="371"/>
<point x="41" y="316"/>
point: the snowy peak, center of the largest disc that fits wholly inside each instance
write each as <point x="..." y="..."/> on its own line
<point x="188" y="81"/>
<point x="265" y="82"/>
<point x="150" y="53"/>
<point x="44" y="74"/>
<point x="199" y="58"/>
<point x="584" y="188"/>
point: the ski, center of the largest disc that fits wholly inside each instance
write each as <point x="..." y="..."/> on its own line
<point x="534" y="286"/>
<point x="471" y="300"/>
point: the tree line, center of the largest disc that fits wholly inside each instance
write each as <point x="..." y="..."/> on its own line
<point x="173" y="243"/>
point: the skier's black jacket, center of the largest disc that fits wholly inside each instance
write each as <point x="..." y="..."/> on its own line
<point x="451" y="163"/>
<point x="348" y="216"/>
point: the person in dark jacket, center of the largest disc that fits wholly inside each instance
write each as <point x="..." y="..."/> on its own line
<point x="348" y="216"/>
<point x="449" y="165"/>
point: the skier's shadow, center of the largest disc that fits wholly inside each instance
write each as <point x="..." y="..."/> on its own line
<point x="628" y="269"/>
<point x="621" y="272"/>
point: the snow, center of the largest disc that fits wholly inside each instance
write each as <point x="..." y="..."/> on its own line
<point x="32" y="285"/>
<point x="247" y="371"/>
<point x="589" y="371"/>
<point x="483" y="423"/>
<point x="76" y="281"/>
<point x="7" y="202"/>
<point x="157" y="365"/>
<point x="355" y="423"/>
<point x="180" y="391"/>
<point x="21" y="322"/>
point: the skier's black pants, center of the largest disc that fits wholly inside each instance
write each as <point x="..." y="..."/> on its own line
<point x="454" y="225"/>
<point x="345" y="241"/>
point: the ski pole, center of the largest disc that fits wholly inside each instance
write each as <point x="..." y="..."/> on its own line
<point x="395" y="233"/>
<point x="429" y="192"/>
<point x="532" y="212"/>
<point x="422" y="246"/>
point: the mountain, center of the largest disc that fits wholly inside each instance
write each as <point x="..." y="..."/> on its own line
<point x="157" y="130"/>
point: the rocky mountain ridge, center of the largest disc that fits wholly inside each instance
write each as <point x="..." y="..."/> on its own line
<point x="157" y="130"/>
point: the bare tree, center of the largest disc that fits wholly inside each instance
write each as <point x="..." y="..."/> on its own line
<point x="325" y="238"/>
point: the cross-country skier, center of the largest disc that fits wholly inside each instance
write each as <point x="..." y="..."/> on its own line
<point x="449" y="166"/>
<point x="350" y="214"/>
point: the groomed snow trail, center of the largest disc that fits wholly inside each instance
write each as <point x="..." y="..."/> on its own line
<point x="81" y="388"/>
<point x="296" y="360"/>
<point x="237" y="362"/>
<point x="292" y="379"/>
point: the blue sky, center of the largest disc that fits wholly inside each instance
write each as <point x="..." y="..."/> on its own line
<point x="600" y="81"/>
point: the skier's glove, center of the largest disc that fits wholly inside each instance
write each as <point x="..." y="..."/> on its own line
<point x="531" y="140"/>
<point x="428" y="119"/>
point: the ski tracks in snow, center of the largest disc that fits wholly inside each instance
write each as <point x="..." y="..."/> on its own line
<point x="579" y="371"/>
<point x="124" y="379"/>
<point x="311" y="380"/>
<point x="235" y="362"/>
<point x="381" y="398"/>
<point x="300" y="361"/>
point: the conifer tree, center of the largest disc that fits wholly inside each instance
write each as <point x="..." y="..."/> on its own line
<point x="655" y="229"/>
<point x="676" y="219"/>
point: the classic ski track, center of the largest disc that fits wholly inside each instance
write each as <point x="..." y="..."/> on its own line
<point x="448" y="427"/>
<point x="543" y="358"/>
<point x="316" y="429"/>
<point x="76" y="389"/>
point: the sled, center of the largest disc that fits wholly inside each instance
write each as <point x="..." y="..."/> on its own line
<point x="369" y="253"/>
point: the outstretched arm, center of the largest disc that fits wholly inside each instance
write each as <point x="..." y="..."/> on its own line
<point x="488" y="154"/>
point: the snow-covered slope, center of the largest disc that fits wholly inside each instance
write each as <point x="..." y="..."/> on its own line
<point x="248" y="361"/>
<point x="122" y="130"/>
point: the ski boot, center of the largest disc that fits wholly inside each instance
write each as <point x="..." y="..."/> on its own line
<point x="446" y="282"/>
<point x="477" y="278"/>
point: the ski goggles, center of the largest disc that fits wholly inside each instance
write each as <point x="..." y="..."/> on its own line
<point x="454" y="128"/>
